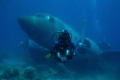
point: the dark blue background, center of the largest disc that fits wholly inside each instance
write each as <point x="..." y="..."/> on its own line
<point x="72" y="12"/>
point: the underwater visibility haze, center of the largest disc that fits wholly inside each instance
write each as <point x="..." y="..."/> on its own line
<point x="27" y="27"/>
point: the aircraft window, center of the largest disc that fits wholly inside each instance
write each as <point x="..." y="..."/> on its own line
<point x="47" y="17"/>
<point x="51" y="19"/>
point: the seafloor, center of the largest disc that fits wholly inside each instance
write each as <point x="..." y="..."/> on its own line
<point x="14" y="67"/>
<point x="62" y="73"/>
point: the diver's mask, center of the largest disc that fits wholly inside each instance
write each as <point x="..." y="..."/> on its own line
<point x="64" y="37"/>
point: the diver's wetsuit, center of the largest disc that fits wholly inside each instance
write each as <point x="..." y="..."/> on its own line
<point x="58" y="47"/>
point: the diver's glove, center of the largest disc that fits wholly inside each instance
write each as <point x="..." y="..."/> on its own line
<point x="67" y="52"/>
<point x="60" y="57"/>
<point x="58" y="54"/>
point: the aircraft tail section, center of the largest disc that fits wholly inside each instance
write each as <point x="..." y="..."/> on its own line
<point x="86" y="45"/>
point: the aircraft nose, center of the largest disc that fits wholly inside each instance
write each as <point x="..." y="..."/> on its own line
<point x="33" y="25"/>
<point x="23" y="21"/>
<point x="26" y="23"/>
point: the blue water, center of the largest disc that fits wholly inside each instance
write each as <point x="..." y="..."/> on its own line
<point x="69" y="11"/>
<point x="102" y="18"/>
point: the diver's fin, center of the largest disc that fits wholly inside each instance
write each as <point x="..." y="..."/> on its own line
<point x="83" y="34"/>
<point x="48" y="55"/>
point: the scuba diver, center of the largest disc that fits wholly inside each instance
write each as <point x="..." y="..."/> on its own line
<point x="64" y="48"/>
<point x="104" y="45"/>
